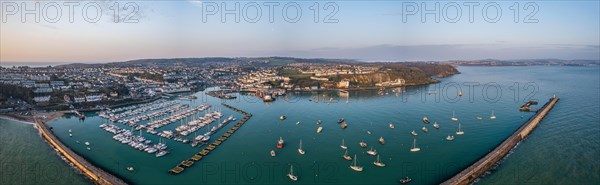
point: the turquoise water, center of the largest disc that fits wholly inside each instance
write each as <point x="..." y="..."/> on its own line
<point x="566" y="144"/>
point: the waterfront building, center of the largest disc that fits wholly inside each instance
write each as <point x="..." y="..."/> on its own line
<point x="343" y="84"/>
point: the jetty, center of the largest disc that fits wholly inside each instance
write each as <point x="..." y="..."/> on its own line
<point x="200" y="155"/>
<point x="97" y="175"/>
<point x="473" y="172"/>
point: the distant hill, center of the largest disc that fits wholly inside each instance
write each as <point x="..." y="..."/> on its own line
<point x="525" y="62"/>
<point x="257" y="61"/>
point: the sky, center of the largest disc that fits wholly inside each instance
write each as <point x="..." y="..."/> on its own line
<point x="86" y="31"/>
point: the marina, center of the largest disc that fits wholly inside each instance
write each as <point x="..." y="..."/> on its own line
<point x="198" y="156"/>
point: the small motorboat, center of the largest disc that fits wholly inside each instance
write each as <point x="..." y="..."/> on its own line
<point x="362" y="144"/>
<point x="381" y="140"/>
<point x="272" y="153"/>
<point x="414" y="133"/>
<point x="425" y="129"/>
<point x="282" y="117"/>
<point x="405" y="180"/>
<point x="280" y="143"/>
<point x="344" y="125"/>
<point x="425" y="120"/>
<point x="341" y="120"/>
<point x="391" y="125"/>
<point x="436" y="125"/>
<point x="318" y="122"/>
<point x="319" y="129"/>
<point x="130" y="169"/>
<point x="450" y="138"/>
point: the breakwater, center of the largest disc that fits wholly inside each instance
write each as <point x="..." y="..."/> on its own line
<point x="97" y="175"/>
<point x="473" y="172"/>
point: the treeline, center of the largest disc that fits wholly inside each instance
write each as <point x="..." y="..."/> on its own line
<point x="439" y="70"/>
<point x="7" y="91"/>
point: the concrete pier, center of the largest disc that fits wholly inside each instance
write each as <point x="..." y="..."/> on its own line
<point x="97" y="175"/>
<point x="473" y="172"/>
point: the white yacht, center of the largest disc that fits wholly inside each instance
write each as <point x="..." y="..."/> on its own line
<point x="355" y="167"/>
<point x="414" y="133"/>
<point x="372" y="152"/>
<point x="459" y="132"/>
<point x="453" y="117"/>
<point x="378" y="162"/>
<point x="343" y="146"/>
<point x="346" y="156"/>
<point x="291" y="174"/>
<point x="493" y="116"/>
<point x="300" y="151"/>
<point x="414" y="148"/>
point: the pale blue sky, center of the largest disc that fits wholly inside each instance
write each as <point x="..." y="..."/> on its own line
<point x="367" y="30"/>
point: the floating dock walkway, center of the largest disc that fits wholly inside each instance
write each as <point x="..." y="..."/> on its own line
<point x="198" y="156"/>
<point x="97" y="175"/>
<point x="473" y="172"/>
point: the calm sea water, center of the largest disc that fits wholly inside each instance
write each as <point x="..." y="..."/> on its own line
<point x="563" y="149"/>
<point x="26" y="159"/>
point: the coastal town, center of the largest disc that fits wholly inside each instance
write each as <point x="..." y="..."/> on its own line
<point x="97" y="87"/>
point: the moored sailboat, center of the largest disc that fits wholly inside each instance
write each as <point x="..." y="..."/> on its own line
<point x="300" y="150"/>
<point x="343" y="146"/>
<point x="372" y="151"/>
<point x="378" y="162"/>
<point x="493" y="116"/>
<point x="415" y="148"/>
<point x="346" y="156"/>
<point x="355" y="167"/>
<point x="459" y="132"/>
<point x="291" y="174"/>
<point x="453" y="117"/>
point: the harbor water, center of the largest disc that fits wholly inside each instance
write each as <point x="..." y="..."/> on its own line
<point x="566" y="144"/>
